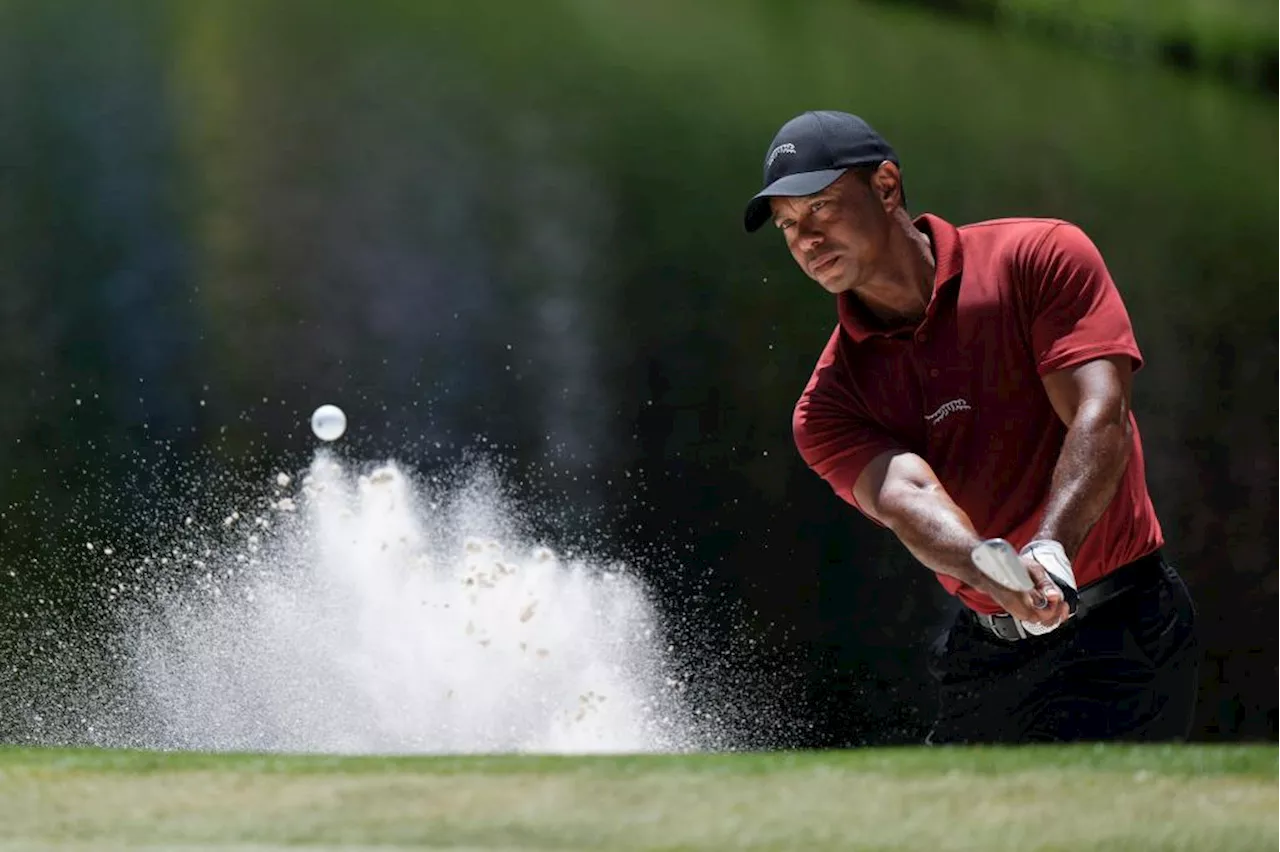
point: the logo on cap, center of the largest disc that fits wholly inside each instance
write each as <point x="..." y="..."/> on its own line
<point x="784" y="148"/>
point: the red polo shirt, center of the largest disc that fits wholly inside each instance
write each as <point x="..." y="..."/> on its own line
<point x="1013" y="300"/>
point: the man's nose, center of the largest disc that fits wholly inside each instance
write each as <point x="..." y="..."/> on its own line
<point x="808" y="236"/>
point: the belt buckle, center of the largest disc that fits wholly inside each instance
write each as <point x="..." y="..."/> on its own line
<point x="989" y="621"/>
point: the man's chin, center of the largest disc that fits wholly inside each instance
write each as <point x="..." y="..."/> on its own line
<point x="836" y="278"/>
<point x="835" y="285"/>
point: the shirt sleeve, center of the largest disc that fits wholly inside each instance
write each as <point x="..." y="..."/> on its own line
<point x="832" y="432"/>
<point x="1077" y="314"/>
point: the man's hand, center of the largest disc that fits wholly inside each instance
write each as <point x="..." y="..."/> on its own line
<point x="1043" y="605"/>
<point x="902" y="492"/>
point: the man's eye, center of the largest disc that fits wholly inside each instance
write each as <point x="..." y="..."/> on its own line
<point x="784" y="224"/>
<point x="816" y="206"/>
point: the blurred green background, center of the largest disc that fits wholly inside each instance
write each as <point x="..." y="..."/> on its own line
<point x="515" y="230"/>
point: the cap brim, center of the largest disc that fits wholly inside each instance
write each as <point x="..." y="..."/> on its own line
<point x="803" y="183"/>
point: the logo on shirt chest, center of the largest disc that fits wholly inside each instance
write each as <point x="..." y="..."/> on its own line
<point x="947" y="409"/>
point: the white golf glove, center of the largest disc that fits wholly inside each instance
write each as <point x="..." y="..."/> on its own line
<point x="1053" y="558"/>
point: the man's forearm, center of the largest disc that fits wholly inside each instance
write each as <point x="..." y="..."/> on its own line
<point x="936" y="531"/>
<point x="1094" y="455"/>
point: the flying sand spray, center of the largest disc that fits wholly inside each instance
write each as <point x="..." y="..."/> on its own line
<point x="370" y="612"/>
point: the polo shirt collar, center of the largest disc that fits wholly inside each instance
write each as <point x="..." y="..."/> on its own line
<point x="859" y="323"/>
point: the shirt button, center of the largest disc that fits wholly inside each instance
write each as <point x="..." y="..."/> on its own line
<point x="922" y="337"/>
<point x="934" y="372"/>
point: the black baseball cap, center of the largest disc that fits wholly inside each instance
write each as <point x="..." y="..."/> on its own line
<point x="810" y="152"/>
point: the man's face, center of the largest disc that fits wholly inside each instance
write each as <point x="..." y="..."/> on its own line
<point x="838" y="235"/>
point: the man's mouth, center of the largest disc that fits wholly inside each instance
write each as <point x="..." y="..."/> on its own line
<point x="822" y="262"/>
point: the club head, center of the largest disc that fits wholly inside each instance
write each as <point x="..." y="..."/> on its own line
<point x="1000" y="563"/>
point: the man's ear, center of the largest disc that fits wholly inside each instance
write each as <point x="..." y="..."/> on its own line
<point x="886" y="183"/>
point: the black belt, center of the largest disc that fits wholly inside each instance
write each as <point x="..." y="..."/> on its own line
<point x="1092" y="596"/>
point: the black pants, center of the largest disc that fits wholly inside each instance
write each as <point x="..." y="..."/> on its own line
<point x="1126" y="670"/>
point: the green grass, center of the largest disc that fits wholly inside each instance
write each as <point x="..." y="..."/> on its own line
<point x="1068" y="798"/>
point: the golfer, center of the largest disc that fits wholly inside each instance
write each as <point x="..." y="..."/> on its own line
<point x="976" y="387"/>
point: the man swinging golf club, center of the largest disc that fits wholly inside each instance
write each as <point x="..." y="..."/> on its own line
<point x="973" y="398"/>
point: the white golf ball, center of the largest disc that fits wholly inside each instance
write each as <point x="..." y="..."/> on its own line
<point x="328" y="422"/>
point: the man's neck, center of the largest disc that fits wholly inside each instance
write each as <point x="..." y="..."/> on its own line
<point x="900" y="296"/>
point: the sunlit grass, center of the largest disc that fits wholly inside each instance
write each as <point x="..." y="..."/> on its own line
<point x="1111" y="798"/>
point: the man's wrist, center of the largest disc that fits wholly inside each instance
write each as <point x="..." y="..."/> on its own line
<point x="975" y="579"/>
<point x="1047" y="542"/>
<point x="1069" y="543"/>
